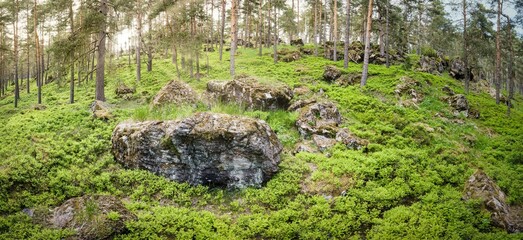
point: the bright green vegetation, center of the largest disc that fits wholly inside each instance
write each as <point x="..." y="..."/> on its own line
<point x="407" y="185"/>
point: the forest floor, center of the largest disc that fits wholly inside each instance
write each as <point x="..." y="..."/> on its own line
<point x="408" y="183"/>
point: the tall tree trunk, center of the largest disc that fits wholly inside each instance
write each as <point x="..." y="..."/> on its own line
<point x="367" y="46"/>
<point x="139" y="44"/>
<point x="316" y="28"/>
<point x="37" y="55"/>
<point x="511" y="72"/>
<point x="268" y="42"/>
<point x="498" y="54"/>
<point x="150" y="46"/>
<point x="222" y="30"/>
<point x="71" y="22"/>
<point x="92" y="62"/>
<point x="465" y="48"/>
<point x="28" y="52"/>
<point x="275" y="46"/>
<point x="100" y="65"/>
<point x="234" y="34"/>
<point x="260" y="29"/>
<point x="15" y="43"/>
<point x="175" y="61"/>
<point x="335" y="33"/>
<point x="387" y="46"/>
<point x="347" y="38"/>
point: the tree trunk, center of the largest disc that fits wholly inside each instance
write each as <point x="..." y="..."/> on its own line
<point x="28" y="52"/>
<point x="347" y="38"/>
<point x="367" y="46"/>
<point x="316" y="28"/>
<point x="222" y="30"/>
<point x="275" y="46"/>
<point x="387" y="46"/>
<point x="175" y="61"/>
<point x="234" y="34"/>
<point x="150" y="46"/>
<point x="260" y="29"/>
<point x="100" y="65"/>
<point x="71" y="86"/>
<point x="15" y="43"/>
<point x="139" y="44"/>
<point x="498" y="54"/>
<point x="37" y="55"/>
<point x="465" y="48"/>
<point x="335" y="33"/>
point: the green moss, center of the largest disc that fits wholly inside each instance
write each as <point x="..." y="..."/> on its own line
<point x="406" y="185"/>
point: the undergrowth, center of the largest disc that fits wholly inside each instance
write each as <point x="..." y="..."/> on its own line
<point x="407" y="184"/>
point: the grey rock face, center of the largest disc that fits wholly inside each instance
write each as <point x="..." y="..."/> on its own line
<point x="89" y="217"/>
<point x="459" y="102"/>
<point x="209" y="149"/>
<point x="250" y="93"/>
<point x="100" y="110"/>
<point x="480" y="186"/>
<point x="348" y="139"/>
<point x="320" y="118"/>
<point x="175" y="92"/>
<point x="331" y="73"/>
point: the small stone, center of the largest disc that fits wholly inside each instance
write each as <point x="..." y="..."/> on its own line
<point x="331" y="73"/>
<point x="100" y="110"/>
<point x="323" y="142"/>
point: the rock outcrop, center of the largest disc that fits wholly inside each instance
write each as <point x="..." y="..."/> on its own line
<point x="431" y="65"/>
<point x="480" y="186"/>
<point x="320" y="118"/>
<point x="209" y="149"/>
<point x="331" y="73"/>
<point x="408" y="92"/>
<point x="349" y="79"/>
<point x="251" y="94"/>
<point x="320" y="121"/>
<point x="91" y="217"/>
<point x="297" y="42"/>
<point x="175" y="92"/>
<point x="100" y="110"/>
<point x="123" y="91"/>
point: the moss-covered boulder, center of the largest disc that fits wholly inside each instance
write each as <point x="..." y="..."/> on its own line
<point x="175" y="92"/>
<point x="207" y="148"/>
<point x="331" y="73"/>
<point x="91" y="217"/>
<point x="101" y="110"/>
<point x="320" y="118"/>
<point x="251" y="93"/>
<point x="480" y="186"/>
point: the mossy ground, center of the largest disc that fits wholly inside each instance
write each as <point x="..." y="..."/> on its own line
<point x="407" y="185"/>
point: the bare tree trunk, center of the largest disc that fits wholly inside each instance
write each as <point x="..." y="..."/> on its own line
<point x="15" y="43"/>
<point x="234" y="34"/>
<point x="175" y="61"/>
<point x="347" y="38"/>
<point x="260" y="29"/>
<point x="92" y="62"/>
<point x="100" y="65"/>
<point x="316" y="28"/>
<point x="28" y="52"/>
<point x="71" y="86"/>
<point x="150" y="46"/>
<point x="222" y="30"/>
<point x="275" y="46"/>
<point x="387" y="56"/>
<point x="367" y="46"/>
<point x="498" y="54"/>
<point x="465" y="48"/>
<point x="511" y="72"/>
<point x="139" y="44"/>
<point x="335" y="33"/>
<point x="37" y="55"/>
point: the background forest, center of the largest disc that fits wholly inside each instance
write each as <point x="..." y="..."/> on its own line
<point x="58" y="56"/>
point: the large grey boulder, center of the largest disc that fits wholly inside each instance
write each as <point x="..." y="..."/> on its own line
<point x="331" y="73"/>
<point x="480" y="186"/>
<point x="320" y="118"/>
<point x="251" y="94"/>
<point x="208" y="148"/>
<point x="175" y="92"/>
<point x="91" y="217"/>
